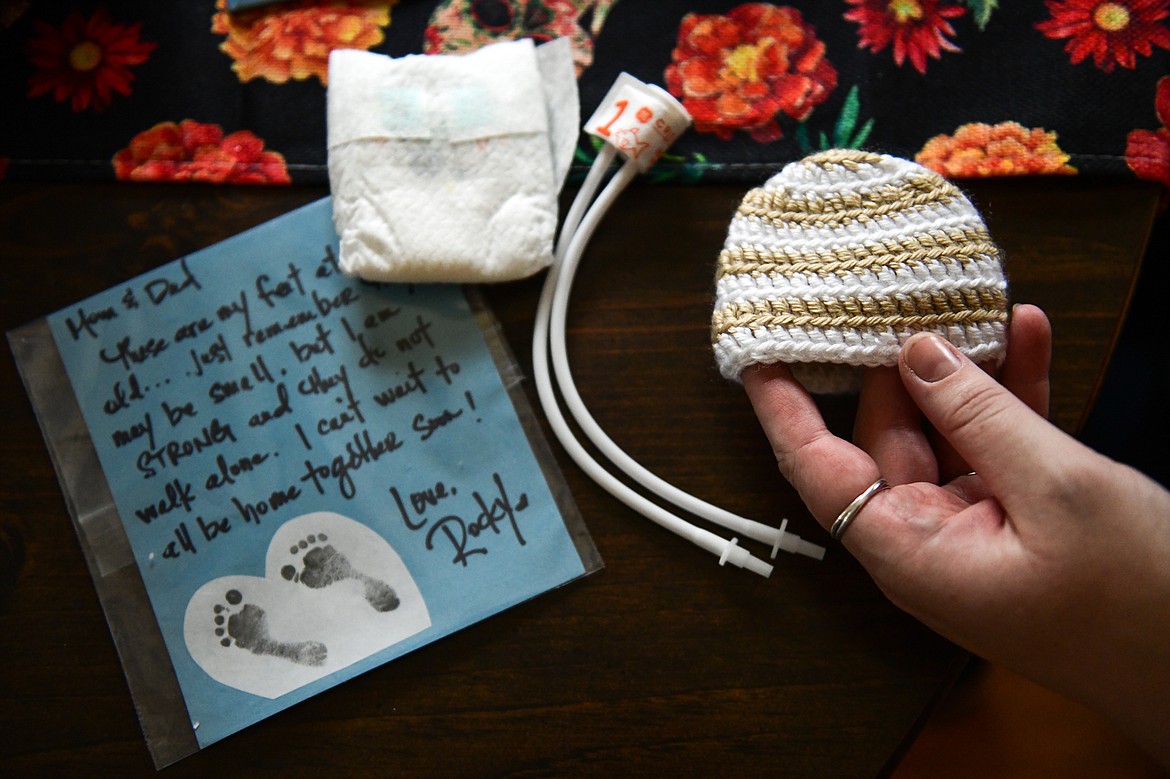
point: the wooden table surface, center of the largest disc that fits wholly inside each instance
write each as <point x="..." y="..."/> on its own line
<point x="662" y="663"/>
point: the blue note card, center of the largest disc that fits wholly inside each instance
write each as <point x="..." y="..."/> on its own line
<point x="315" y="474"/>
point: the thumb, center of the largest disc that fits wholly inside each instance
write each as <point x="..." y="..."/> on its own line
<point x="995" y="432"/>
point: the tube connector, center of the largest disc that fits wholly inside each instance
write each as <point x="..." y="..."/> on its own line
<point x="741" y="558"/>
<point x="790" y="542"/>
<point x="640" y="120"/>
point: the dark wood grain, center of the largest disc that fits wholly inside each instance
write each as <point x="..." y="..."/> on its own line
<point x="663" y="663"/>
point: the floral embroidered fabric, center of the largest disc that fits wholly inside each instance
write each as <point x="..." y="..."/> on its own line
<point x="149" y="91"/>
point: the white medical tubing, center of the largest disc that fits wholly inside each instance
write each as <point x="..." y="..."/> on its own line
<point x="640" y="121"/>
<point x="728" y="551"/>
<point x="776" y="538"/>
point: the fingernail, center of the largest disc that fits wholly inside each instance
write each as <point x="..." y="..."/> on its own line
<point x="931" y="358"/>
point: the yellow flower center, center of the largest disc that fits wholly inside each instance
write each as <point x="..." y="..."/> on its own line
<point x="905" y="10"/>
<point x="85" y="56"/>
<point x="1111" y="17"/>
<point x="743" y="62"/>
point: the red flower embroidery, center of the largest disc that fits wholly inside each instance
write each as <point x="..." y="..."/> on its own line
<point x="193" y="151"/>
<point x="1147" y="152"/>
<point x="741" y="71"/>
<point x="458" y="26"/>
<point x="917" y="29"/>
<point x="86" y="60"/>
<point x="1111" y="32"/>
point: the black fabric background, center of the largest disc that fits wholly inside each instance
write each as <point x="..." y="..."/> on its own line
<point x="1009" y="71"/>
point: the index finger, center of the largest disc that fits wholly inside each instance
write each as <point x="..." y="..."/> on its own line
<point x="826" y="470"/>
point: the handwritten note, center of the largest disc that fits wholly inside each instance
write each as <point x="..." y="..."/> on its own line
<point x="315" y="474"/>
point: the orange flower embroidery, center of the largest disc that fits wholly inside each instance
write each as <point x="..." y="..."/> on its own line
<point x="1005" y="149"/>
<point x="86" y="61"/>
<point x="194" y="151"/>
<point x="293" y="40"/>
<point x="743" y="70"/>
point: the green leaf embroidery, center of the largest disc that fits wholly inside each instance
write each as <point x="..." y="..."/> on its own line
<point x="862" y="135"/>
<point x="982" y="10"/>
<point x="802" y="140"/>
<point x="847" y="119"/>
<point x="680" y="168"/>
<point x="846" y="133"/>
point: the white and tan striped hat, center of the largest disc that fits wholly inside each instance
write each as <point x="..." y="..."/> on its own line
<point x="842" y="256"/>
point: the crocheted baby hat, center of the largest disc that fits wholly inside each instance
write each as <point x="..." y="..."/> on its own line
<point x="841" y="257"/>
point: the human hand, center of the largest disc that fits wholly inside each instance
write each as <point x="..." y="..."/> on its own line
<point x="1050" y="559"/>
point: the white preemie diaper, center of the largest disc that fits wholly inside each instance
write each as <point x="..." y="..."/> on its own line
<point x="446" y="168"/>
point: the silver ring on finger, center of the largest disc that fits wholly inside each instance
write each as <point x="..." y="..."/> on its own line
<point x="845" y="518"/>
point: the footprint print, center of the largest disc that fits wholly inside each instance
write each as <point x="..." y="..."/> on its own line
<point x="247" y="626"/>
<point x="324" y="565"/>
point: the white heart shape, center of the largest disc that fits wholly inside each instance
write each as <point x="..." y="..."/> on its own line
<point x="334" y="592"/>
